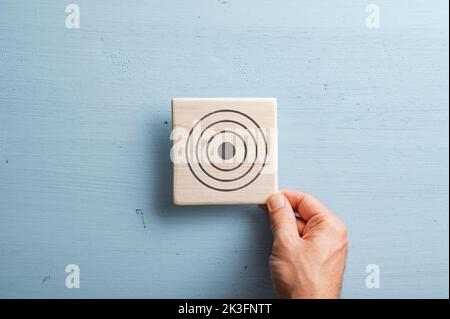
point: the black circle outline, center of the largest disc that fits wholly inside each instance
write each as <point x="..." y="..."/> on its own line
<point x="226" y="169"/>
<point x="228" y="189"/>
<point x="253" y="164"/>
<point x="226" y="180"/>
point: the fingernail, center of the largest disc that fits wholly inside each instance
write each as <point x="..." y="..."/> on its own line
<point x="276" y="202"/>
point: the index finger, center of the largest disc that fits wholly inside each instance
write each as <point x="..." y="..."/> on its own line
<point x="306" y="205"/>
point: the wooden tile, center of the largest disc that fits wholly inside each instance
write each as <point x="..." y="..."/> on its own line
<point x="224" y="150"/>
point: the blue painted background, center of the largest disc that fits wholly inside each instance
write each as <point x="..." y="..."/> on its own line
<point x="84" y="141"/>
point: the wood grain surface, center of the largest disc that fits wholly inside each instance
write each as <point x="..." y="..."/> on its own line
<point x="201" y="176"/>
<point x="85" y="174"/>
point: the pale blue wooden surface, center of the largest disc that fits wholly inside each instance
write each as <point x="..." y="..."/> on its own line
<point x="84" y="141"/>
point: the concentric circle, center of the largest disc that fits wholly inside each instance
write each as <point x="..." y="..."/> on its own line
<point x="241" y="135"/>
<point x="234" y="149"/>
<point x="202" y="167"/>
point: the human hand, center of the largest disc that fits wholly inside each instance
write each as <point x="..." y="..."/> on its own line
<point x="308" y="253"/>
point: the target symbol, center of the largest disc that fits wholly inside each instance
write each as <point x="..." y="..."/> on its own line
<point x="226" y="150"/>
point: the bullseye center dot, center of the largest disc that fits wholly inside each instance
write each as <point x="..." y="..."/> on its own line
<point x="226" y="150"/>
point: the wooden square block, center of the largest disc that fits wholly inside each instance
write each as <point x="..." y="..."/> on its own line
<point x="224" y="150"/>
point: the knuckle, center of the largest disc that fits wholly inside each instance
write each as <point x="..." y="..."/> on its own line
<point x="337" y="225"/>
<point x="328" y="220"/>
<point x="342" y="230"/>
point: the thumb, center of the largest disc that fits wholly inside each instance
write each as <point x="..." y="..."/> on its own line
<point x="281" y="216"/>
